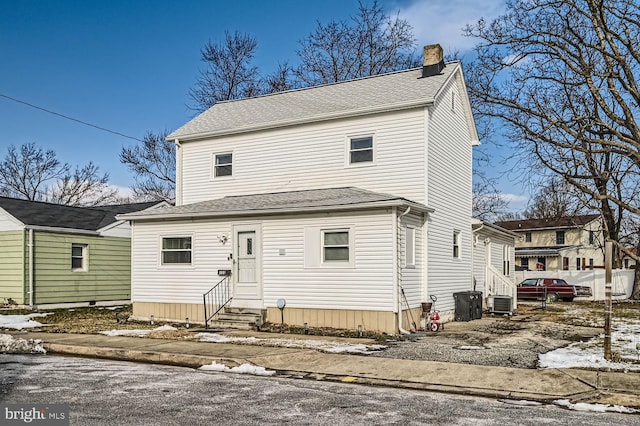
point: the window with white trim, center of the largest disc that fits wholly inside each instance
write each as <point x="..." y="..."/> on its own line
<point x="410" y="247"/>
<point x="361" y="150"/>
<point x="223" y="165"/>
<point x="176" y="250"/>
<point x="78" y="257"/>
<point x="506" y="260"/>
<point x="456" y="244"/>
<point x="335" y="245"/>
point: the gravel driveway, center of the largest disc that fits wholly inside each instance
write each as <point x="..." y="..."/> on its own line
<point x="497" y="341"/>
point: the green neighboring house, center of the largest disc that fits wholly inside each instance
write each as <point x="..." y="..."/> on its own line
<point x="58" y="255"/>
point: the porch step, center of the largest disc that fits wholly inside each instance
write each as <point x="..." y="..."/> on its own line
<point x="238" y="318"/>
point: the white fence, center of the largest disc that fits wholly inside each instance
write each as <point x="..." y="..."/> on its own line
<point x="621" y="281"/>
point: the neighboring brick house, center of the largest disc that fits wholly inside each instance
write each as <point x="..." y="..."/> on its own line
<point x="567" y="243"/>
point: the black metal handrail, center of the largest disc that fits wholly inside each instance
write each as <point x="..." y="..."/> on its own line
<point x="216" y="299"/>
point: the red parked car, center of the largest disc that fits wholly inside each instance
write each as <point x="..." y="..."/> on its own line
<point x="551" y="288"/>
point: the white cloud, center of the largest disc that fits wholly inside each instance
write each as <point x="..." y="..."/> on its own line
<point x="517" y="202"/>
<point x="442" y="21"/>
<point x="123" y="191"/>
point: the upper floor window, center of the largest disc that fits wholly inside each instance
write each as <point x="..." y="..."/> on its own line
<point x="592" y="237"/>
<point x="223" y="165"/>
<point x="527" y="237"/>
<point x="176" y="250"/>
<point x="456" y="244"/>
<point x="78" y="257"/>
<point x="559" y="237"/>
<point x="361" y="150"/>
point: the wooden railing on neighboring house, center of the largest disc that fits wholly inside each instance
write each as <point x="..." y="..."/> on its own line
<point x="497" y="284"/>
<point x="216" y="299"/>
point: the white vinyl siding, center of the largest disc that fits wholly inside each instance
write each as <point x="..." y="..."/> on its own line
<point x="310" y="157"/>
<point x="8" y="222"/>
<point x="367" y="286"/>
<point x="449" y="193"/>
<point x="412" y="276"/>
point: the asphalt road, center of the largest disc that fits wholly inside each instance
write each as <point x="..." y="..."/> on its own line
<point x="121" y="393"/>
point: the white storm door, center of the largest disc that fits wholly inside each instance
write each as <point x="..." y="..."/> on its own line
<point x="247" y="248"/>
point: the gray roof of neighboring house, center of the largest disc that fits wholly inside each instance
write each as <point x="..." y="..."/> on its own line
<point x="280" y="202"/>
<point x="535" y="224"/>
<point x="385" y="92"/>
<point x="36" y="213"/>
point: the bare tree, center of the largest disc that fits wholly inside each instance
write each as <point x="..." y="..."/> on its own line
<point x="555" y="199"/>
<point x="228" y="73"/>
<point x="83" y="187"/>
<point x="26" y="173"/>
<point x="372" y="43"/>
<point x="154" y="166"/>
<point x="281" y="80"/>
<point x="488" y="202"/>
<point x="562" y="76"/>
<point x="34" y="174"/>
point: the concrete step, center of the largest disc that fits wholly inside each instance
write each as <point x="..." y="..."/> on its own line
<point x="238" y="325"/>
<point x="238" y="317"/>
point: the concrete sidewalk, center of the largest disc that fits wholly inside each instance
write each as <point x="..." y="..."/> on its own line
<point x="545" y="385"/>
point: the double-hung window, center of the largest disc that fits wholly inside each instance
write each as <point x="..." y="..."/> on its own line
<point x="223" y="165"/>
<point x="361" y="150"/>
<point x="78" y="257"/>
<point x="176" y="250"/>
<point x="456" y="244"/>
<point x="559" y="237"/>
<point x="335" y="245"/>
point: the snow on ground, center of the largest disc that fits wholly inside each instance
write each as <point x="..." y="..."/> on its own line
<point x="241" y="369"/>
<point x="321" y="345"/>
<point x="19" y="322"/>
<point x="11" y="345"/>
<point x="598" y="408"/>
<point x="137" y="333"/>
<point x="625" y="341"/>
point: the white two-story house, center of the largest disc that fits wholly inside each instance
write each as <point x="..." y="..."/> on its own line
<point x="346" y="205"/>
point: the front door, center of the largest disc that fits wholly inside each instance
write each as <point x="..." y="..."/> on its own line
<point x="247" y="290"/>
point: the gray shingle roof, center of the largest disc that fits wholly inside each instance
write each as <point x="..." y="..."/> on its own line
<point x="280" y="202"/>
<point x="36" y="213"/>
<point x="384" y="92"/>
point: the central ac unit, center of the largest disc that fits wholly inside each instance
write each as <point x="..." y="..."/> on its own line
<point x="502" y="305"/>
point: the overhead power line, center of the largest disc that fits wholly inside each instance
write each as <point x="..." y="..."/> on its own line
<point x="104" y="129"/>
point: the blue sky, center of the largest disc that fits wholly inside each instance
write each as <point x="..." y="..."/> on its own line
<point x="128" y="65"/>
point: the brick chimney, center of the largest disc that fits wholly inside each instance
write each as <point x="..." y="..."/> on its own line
<point x="433" y="60"/>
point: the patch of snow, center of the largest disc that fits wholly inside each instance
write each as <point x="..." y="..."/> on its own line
<point x="590" y="354"/>
<point x="598" y="408"/>
<point x="136" y="332"/>
<point x="321" y="345"/>
<point x="521" y="402"/>
<point x="241" y="369"/>
<point x="471" y="348"/>
<point x="19" y="322"/>
<point x="11" y="345"/>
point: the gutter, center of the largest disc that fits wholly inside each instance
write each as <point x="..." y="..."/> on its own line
<point x="274" y="211"/>
<point x="399" y="270"/>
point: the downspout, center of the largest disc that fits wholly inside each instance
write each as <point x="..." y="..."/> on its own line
<point x="178" y="200"/>
<point x="31" y="267"/>
<point x="399" y="270"/>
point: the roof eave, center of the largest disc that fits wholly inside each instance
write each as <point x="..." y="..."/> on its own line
<point x="286" y="123"/>
<point x="267" y="212"/>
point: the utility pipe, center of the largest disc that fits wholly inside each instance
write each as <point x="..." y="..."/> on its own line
<point x="31" y="266"/>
